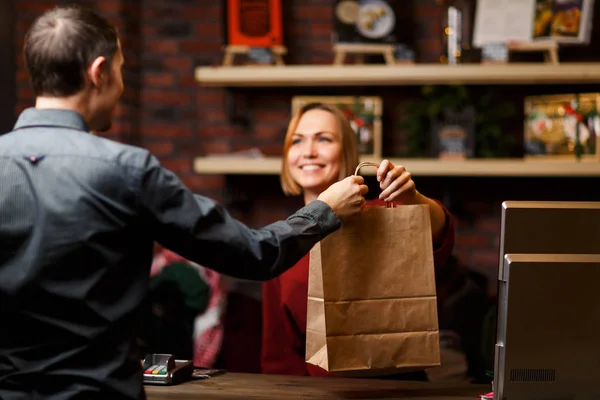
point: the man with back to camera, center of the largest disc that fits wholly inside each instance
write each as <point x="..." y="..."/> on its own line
<point x="79" y="215"/>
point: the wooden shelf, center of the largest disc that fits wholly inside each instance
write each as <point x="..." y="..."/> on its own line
<point x="390" y="75"/>
<point x="529" y="167"/>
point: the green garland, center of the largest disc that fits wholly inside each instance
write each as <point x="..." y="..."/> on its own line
<point x="489" y="139"/>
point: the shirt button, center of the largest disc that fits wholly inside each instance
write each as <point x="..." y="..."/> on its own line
<point x="33" y="159"/>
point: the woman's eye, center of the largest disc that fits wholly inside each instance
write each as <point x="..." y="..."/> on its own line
<point x="324" y="139"/>
<point x="296" y="141"/>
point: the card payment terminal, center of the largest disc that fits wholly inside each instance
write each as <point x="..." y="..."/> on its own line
<point x="164" y="369"/>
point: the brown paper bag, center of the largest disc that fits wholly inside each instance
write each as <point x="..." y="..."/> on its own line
<point x="371" y="295"/>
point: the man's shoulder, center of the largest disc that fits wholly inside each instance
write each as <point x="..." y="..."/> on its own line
<point x="123" y="154"/>
<point x="61" y="142"/>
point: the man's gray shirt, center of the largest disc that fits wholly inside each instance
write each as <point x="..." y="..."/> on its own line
<point x="78" y="218"/>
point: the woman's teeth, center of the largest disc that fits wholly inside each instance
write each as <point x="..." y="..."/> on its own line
<point x="310" y="167"/>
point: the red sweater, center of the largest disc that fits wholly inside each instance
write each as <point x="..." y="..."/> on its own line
<point x="284" y="314"/>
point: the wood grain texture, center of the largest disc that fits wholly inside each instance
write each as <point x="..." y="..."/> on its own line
<point x="273" y="387"/>
<point x="545" y="166"/>
<point x="391" y="75"/>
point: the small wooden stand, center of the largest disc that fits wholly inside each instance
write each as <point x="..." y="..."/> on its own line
<point x="232" y="50"/>
<point x="550" y="49"/>
<point x="360" y="49"/>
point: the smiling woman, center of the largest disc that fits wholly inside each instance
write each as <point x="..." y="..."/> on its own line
<point x="321" y="149"/>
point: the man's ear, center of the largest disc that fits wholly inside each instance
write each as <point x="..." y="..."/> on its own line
<point x="96" y="71"/>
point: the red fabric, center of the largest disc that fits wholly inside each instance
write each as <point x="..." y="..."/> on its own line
<point x="284" y="313"/>
<point x="208" y="326"/>
<point x="242" y="335"/>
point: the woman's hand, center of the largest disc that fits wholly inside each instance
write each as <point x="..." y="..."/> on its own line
<point x="396" y="183"/>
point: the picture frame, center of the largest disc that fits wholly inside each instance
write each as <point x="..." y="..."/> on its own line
<point x="373" y="21"/>
<point x="563" y="21"/>
<point x="551" y="122"/>
<point x="256" y="24"/>
<point x="364" y="114"/>
<point x="533" y="21"/>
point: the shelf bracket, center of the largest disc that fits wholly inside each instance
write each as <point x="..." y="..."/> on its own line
<point x="237" y="111"/>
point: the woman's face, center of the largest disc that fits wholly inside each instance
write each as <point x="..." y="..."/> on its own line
<point x="314" y="157"/>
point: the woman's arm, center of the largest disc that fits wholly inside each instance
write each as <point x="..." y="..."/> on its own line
<point x="444" y="245"/>
<point x="397" y="185"/>
<point x="437" y="215"/>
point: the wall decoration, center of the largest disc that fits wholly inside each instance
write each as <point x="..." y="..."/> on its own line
<point x="453" y="134"/>
<point x="560" y="21"/>
<point x="372" y="21"/>
<point x="255" y="23"/>
<point x="254" y="28"/>
<point x="418" y="118"/>
<point x="381" y="24"/>
<point x="364" y="114"/>
<point x="457" y="22"/>
<point x="564" y="21"/>
<point x="562" y="124"/>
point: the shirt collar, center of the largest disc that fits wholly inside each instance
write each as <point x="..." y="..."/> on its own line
<point x="36" y="117"/>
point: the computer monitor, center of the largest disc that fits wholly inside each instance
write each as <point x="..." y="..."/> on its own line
<point x="549" y="227"/>
<point x="548" y="344"/>
<point x="548" y="337"/>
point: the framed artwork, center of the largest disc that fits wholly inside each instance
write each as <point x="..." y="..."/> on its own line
<point x="254" y="23"/>
<point x="560" y="21"/>
<point x="552" y="123"/>
<point x="364" y="115"/>
<point x="565" y="21"/>
<point x="366" y="22"/>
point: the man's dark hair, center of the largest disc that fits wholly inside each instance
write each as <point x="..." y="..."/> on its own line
<point x="61" y="44"/>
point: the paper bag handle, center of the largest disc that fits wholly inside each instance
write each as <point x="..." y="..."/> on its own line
<point x="388" y="204"/>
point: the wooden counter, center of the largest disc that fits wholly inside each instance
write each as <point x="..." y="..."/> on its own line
<point x="274" y="387"/>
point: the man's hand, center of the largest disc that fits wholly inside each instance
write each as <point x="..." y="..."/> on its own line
<point x="346" y="197"/>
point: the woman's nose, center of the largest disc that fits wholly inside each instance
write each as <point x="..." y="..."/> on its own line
<point x="309" y="149"/>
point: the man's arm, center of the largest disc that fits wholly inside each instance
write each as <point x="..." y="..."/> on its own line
<point x="201" y="230"/>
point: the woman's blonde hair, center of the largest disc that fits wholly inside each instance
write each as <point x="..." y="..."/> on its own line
<point x="349" y="159"/>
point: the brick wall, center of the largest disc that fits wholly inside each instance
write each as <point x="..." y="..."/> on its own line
<point x="165" y="110"/>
